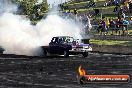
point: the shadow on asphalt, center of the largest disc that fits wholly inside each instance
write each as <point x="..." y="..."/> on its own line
<point x="24" y="56"/>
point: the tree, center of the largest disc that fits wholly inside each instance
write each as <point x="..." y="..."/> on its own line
<point x="30" y="7"/>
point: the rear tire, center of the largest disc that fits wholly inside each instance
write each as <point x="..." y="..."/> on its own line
<point x="85" y="54"/>
<point x="44" y="53"/>
<point x="66" y="53"/>
<point x="1" y="50"/>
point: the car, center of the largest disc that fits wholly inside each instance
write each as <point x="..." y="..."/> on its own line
<point x="66" y="45"/>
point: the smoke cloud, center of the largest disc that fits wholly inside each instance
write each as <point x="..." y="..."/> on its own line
<point x="56" y="2"/>
<point x="18" y="36"/>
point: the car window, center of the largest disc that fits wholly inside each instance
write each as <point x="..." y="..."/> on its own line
<point x="54" y="40"/>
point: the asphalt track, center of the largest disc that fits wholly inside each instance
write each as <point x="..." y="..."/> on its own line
<point x="59" y="72"/>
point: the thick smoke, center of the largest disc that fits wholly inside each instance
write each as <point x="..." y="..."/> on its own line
<point x="7" y="6"/>
<point x="18" y="36"/>
<point x="56" y="2"/>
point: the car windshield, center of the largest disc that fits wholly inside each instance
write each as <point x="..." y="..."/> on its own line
<point x="63" y="40"/>
<point x="68" y="40"/>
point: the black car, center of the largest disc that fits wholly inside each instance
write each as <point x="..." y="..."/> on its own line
<point x="57" y="46"/>
<point x="66" y="45"/>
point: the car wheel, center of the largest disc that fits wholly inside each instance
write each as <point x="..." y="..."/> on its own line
<point x="1" y="52"/>
<point x="85" y="54"/>
<point x="66" y="53"/>
<point x="45" y="53"/>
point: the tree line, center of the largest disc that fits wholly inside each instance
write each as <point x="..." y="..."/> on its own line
<point x="32" y="8"/>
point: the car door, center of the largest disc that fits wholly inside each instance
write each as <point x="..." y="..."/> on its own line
<point x="53" y="46"/>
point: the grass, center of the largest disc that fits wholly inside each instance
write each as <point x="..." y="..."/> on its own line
<point x="83" y="2"/>
<point x="111" y="42"/>
<point x="70" y="4"/>
<point x="88" y="9"/>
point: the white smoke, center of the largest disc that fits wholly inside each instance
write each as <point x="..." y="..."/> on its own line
<point x="40" y="1"/>
<point x="18" y="36"/>
<point x="7" y="6"/>
<point x="54" y="25"/>
<point x="56" y="2"/>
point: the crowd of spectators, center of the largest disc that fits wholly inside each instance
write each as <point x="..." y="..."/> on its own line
<point x="125" y="5"/>
<point x="120" y="25"/>
<point x="114" y="26"/>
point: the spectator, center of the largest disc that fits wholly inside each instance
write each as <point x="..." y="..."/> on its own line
<point x="116" y="8"/>
<point x="99" y="29"/>
<point x="130" y="7"/>
<point x="89" y="23"/>
<point x="106" y="3"/>
<point x="125" y="27"/>
<point x="92" y="4"/>
<point x="121" y="14"/>
<point x="107" y="24"/>
<point x="118" y="26"/>
<point x="75" y="11"/>
<point x="130" y="20"/>
<point x="126" y="5"/>
<point x="112" y="25"/>
<point x="96" y="11"/>
<point x="109" y="2"/>
<point x="104" y="29"/>
<point x="116" y="2"/>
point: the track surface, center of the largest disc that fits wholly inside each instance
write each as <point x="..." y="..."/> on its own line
<point x="59" y="72"/>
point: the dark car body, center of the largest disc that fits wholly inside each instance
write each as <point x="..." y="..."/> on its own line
<point x="65" y="45"/>
<point x="57" y="47"/>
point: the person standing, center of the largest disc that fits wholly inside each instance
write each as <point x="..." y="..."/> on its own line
<point x="125" y="27"/>
<point x="126" y="5"/>
<point x="118" y="26"/>
<point x="130" y="20"/>
<point x="107" y="24"/>
<point x="104" y="29"/>
<point x="112" y="25"/>
<point x="130" y="7"/>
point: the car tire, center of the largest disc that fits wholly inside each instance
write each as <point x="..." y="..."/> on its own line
<point x="44" y="53"/>
<point x="85" y="54"/>
<point x="66" y="53"/>
<point x="1" y="52"/>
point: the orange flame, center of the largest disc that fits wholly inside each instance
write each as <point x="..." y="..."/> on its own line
<point x="81" y="71"/>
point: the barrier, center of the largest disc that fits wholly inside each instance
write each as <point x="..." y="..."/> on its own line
<point x="113" y="49"/>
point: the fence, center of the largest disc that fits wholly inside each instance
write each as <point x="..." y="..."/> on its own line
<point x="96" y="30"/>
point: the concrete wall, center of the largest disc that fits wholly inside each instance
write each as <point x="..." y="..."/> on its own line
<point x="112" y="49"/>
<point x="112" y="37"/>
<point x="117" y="49"/>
